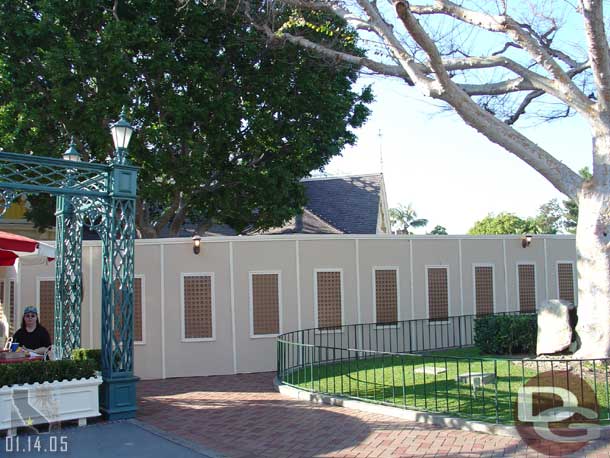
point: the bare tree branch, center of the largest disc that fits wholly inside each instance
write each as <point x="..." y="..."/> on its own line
<point x="377" y="67"/>
<point x="505" y="24"/>
<point x="561" y="176"/>
<point x="522" y="107"/>
<point x="508" y="44"/>
<point x="513" y="85"/>
<point x="443" y="76"/>
<point x="425" y="83"/>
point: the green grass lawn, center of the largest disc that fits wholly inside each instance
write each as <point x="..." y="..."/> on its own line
<point x="393" y="379"/>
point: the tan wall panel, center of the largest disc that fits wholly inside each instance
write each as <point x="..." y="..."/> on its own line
<point x="483" y="251"/>
<point x="92" y="279"/>
<point x="88" y="296"/>
<point x="328" y="254"/>
<point x="276" y="255"/>
<point x="147" y="356"/>
<point x="516" y="254"/>
<point x="385" y="253"/>
<point x="28" y="289"/>
<point x="436" y="253"/>
<point x="279" y="254"/>
<point x="184" y="358"/>
<point x="560" y="250"/>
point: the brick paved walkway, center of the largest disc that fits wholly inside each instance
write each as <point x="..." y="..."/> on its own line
<point x="242" y="416"/>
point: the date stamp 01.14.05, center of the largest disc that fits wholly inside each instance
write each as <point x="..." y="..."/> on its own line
<point x="35" y="443"/>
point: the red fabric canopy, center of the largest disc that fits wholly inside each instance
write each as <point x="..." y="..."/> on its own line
<point x="14" y="242"/>
<point x="13" y="246"/>
<point x="7" y="258"/>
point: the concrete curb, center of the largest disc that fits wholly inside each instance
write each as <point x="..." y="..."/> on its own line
<point x="405" y="414"/>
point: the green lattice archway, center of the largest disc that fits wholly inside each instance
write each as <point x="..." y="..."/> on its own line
<point x="102" y="197"/>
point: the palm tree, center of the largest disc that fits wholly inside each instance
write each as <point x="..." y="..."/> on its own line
<point x="403" y="218"/>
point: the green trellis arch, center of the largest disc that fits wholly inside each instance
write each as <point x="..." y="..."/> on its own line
<point x="101" y="197"/>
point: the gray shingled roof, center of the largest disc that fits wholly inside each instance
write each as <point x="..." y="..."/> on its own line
<point x="305" y="223"/>
<point x="350" y="204"/>
<point x="335" y="205"/>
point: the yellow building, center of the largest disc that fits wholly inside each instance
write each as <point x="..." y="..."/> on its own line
<point x="15" y="222"/>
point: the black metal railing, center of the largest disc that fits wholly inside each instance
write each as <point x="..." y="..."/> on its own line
<point x="426" y="365"/>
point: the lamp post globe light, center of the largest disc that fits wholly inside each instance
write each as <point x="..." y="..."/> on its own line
<point x="121" y="134"/>
<point x="71" y="154"/>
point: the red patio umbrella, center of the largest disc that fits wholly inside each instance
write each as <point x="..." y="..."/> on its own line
<point x="13" y="246"/>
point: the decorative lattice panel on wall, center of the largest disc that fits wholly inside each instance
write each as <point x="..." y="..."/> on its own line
<point x="47" y="305"/>
<point x="527" y="287"/>
<point x="198" y="307"/>
<point x="565" y="280"/>
<point x="329" y="299"/>
<point x="484" y="289"/>
<point x="138" y="335"/>
<point x="386" y="296"/>
<point x="265" y="304"/>
<point x="438" y="293"/>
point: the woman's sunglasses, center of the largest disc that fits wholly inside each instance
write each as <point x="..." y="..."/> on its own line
<point x="30" y="315"/>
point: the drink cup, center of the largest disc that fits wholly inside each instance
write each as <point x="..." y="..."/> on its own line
<point x="14" y="346"/>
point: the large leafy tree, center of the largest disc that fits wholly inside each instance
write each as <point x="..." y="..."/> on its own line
<point x="228" y="123"/>
<point x="495" y="63"/>
<point x="550" y="217"/>
<point x="504" y="223"/>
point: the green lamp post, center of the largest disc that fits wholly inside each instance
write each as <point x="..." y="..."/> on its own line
<point x="101" y="197"/>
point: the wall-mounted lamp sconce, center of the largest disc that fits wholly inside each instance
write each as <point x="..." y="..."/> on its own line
<point x="526" y="240"/>
<point x="196" y="244"/>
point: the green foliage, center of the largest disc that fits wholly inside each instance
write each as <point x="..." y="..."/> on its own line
<point x="404" y="217"/>
<point x="549" y="219"/>
<point x="88" y="354"/>
<point x="552" y="218"/>
<point x="227" y="123"/>
<point x="506" y="334"/>
<point x="45" y="371"/>
<point x="504" y="223"/>
<point x="438" y="230"/>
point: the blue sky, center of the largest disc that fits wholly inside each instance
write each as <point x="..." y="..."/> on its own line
<point x="451" y="174"/>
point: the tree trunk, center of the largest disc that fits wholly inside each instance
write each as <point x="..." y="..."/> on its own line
<point x="593" y="271"/>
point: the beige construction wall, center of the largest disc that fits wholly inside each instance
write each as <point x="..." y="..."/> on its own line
<point x="161" y="263"/>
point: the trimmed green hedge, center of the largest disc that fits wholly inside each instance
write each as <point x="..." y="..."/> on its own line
<point x="45" y="371"/>
<point x="506" y="334"/>
<point x="88" y="354"/>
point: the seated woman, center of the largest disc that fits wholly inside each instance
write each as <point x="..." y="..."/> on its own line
<point x="32" y="335"/>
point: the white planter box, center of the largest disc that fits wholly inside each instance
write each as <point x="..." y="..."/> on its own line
<point x="38" y="403"/>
